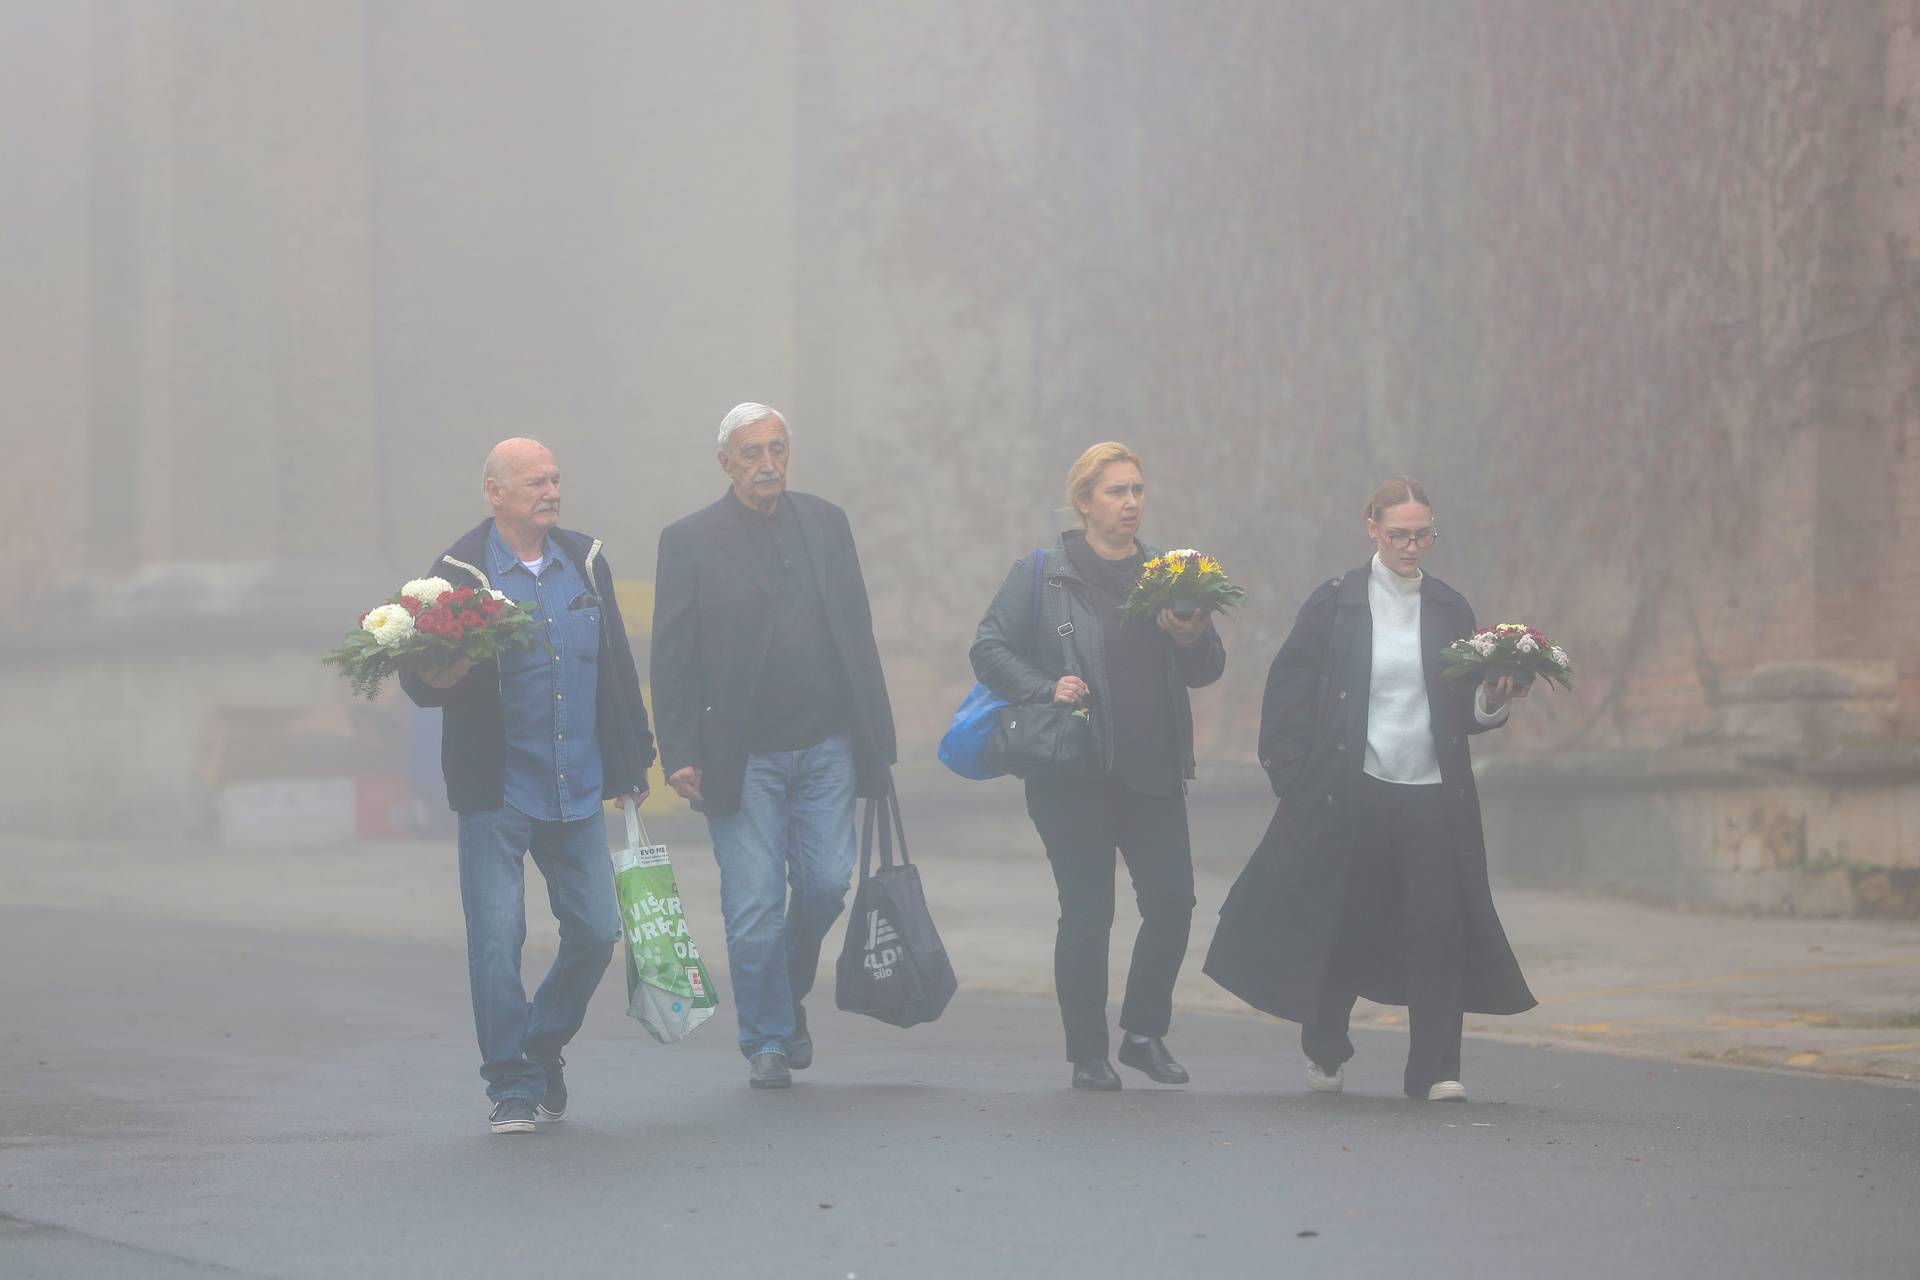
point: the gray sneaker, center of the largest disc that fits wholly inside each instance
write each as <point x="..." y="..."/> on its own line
<point x="769" y="1071"/>
<point x="800" y="1047"/>
<point x="512" y="1115"/>
<point x="554" y="1105"/>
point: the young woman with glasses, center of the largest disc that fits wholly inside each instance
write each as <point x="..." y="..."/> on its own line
<point x="1372" y="878"/>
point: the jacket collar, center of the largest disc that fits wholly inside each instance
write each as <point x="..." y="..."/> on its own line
<point x="1060" y="564"/>
<point x="469" y="553"/>
<point x="1353" y="588"/>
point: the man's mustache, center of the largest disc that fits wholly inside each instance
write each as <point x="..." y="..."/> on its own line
<point x="546" y="506"/>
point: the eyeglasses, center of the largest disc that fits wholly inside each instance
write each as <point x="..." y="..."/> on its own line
<point x="1422" y="538"/>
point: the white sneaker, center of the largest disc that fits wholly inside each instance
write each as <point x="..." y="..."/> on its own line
<point x="1320" y="1082"/>
<point x="1447" y="1091"/>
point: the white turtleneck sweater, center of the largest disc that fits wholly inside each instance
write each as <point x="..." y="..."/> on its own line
<point x="1400" y="744"/>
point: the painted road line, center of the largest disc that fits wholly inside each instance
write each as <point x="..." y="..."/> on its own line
<point x="1686" y="984"/>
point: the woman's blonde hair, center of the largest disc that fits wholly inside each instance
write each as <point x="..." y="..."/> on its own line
<point x="1085" y="473"/>
<point x="1396" y="491"/>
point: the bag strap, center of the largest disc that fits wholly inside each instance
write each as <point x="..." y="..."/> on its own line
<point x="1039" y="585"/>
<point x="637" y="837"/>
<point x="1039" y="573"/>
<point x="883" y="811"/>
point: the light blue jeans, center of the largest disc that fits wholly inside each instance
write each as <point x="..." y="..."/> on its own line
<point x="786" y="859"/>
<point x="515" y="1036"/>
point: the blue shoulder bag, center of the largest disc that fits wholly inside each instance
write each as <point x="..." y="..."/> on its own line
<point x="963" y="749"/>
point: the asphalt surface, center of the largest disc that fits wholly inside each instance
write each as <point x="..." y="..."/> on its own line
<point x="208" y="1100"/>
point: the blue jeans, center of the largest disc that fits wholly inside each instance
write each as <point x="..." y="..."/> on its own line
<point x="516" y="1037"/>
<point x="793" y="831"/>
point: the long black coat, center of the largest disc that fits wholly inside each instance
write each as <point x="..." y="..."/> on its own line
<point x="712" y="613"/>
<point x="1282" y="916"/>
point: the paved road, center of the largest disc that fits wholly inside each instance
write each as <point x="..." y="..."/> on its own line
<point x="207" y="1100"/>
<point x="1835" y="996"/>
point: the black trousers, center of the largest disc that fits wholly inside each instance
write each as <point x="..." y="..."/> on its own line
<point x="1405" y="919"/>
<point x="1082" y="823"/>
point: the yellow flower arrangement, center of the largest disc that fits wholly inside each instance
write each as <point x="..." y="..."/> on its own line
<point x="1186" y="582"/>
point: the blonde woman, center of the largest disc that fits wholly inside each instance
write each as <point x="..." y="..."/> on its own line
<point x="1372" y="879"/>
<point x="1054" y="634"/>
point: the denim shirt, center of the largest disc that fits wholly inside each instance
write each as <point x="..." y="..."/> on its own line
<point x="548" y="693"/>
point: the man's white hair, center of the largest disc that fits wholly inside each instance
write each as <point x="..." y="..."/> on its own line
<point x="745" y="415"/>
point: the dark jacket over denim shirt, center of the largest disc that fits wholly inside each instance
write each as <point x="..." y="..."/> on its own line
<point x="1021" y="657"/>
<point x="473" y="729"/>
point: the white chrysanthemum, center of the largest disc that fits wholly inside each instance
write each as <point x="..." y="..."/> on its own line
<point x="1526" y="644"/>
<point x="390" y="624"/>
<point x="1484" y="645"/>
<point x="501" y="596"/>
<point x="1559" y="657"/>
<point x="427" y="590"/>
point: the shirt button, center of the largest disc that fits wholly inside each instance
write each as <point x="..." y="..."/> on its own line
<point x="1343" y="695"/>
<point x="559" y="735"/>
<point x="559" y="697"/>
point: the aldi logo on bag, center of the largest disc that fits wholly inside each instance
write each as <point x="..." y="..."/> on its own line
<point x="882" y="951"/>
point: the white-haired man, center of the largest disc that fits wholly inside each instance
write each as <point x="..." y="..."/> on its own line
<point x="773" y="716"/>
<point x="531" y="743"/>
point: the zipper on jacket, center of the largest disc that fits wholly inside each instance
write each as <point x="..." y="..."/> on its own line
<point x="1102" y="695"/>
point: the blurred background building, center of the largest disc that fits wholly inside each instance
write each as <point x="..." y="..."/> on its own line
<point x="1631" y="285"/>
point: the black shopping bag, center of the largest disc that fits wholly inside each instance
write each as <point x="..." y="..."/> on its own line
<point x="893" y="966"/>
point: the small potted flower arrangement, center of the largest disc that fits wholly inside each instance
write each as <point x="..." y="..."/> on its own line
<point x="1186" y="582"/>
<point x="1507" y="649"/>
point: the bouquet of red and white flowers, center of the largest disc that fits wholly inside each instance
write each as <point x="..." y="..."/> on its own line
<point x="1185" y="581"/>
<point x="434" y="624"/>
<point x="1507" y="649"/>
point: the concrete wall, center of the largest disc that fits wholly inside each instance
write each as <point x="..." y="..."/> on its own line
<point x="1630" y="285"/>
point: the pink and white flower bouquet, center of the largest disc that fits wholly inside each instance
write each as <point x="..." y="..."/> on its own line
<point x="1507" y="649"/>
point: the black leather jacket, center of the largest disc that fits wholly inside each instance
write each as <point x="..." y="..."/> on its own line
<point x="1021" y="657"/>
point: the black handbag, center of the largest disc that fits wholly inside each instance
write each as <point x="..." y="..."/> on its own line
<point x="1040" y="738"/>
<point x="893" y="965"/>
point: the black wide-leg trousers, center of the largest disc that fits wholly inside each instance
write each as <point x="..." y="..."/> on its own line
<point x="1083" y="822"/>
<point x="1404" y="911"/>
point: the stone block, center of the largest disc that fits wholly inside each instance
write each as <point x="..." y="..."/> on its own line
<point x="1853" y="826"/>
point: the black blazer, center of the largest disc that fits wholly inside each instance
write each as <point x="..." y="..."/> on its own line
<point x="473" y="743"/>
<point x="712" y="609"/>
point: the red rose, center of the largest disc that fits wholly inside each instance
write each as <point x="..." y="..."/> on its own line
<point x="490" y="607"/>
<point x="463" y="594"/>
<point x="470" y="619"/>
<point x="455" y="631"/>
<point x="411" y="604"/>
